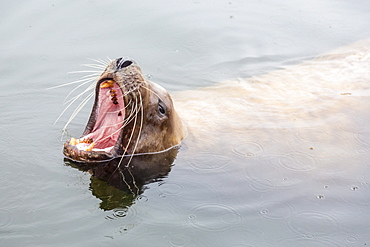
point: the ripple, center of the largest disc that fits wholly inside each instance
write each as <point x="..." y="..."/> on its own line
<point x="269" y="175"/>
<point x="354" y="125"/>
<point x="33" y="133"/>
<point x="248" y="149"/>
<point x="283" y="42"/>
<point x="334" y="16"/>
<point x="6" y="217"/>
<point x="178" y="240"/>
<point x="125" y="228"/>
<point x="142" y="198"/>
<point x="363" y="138"/>
<point x="208" y="162"/>
<point x="362" y="151"/>
<point x="34" y="92"/>
<point x="260" y="244"/>
<point x="164" y="212"/>
<point x="315" y="224"/>
<point x="54" y="232"/>
<point x="312" y="135"/>
<point x="297" y="161"/>
<point x="245" y="236"/>
<point x="308" y="242"/>
<point x="4" y="140"/>
<point x="119" y="212"/>
<point x="356" y="195"/>
<point x="351" y="240"/>
<point x="214" y="217"/>
<point x="171" y="188"/>
<point x="276" y="210"/>
<point x="280" y="20"/>
<point x="261" y="185"/>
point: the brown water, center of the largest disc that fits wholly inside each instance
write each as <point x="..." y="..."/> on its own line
<point x="298" y="187"/>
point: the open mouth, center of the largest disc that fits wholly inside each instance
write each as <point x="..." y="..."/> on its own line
<point x="105" y="124"/>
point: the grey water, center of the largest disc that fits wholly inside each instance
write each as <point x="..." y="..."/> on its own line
<point x="241" y="198"/>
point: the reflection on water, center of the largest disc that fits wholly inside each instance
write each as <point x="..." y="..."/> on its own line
<point x="119" y="182"/>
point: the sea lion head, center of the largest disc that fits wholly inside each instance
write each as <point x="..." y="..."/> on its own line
<point x="130" y="115"/>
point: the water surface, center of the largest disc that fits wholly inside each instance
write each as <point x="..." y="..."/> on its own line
<point x="235" y="194"/>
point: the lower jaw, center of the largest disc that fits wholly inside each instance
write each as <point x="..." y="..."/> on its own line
<point x="76" y="154"/>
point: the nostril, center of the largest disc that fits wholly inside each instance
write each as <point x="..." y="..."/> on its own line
<point x="121" y="63"/>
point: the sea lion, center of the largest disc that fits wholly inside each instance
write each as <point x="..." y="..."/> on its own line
<point x="317" y="94"/>
<point x="130" y="115"/>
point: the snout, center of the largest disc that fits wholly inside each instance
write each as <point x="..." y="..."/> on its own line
<point x="123" y="62"/>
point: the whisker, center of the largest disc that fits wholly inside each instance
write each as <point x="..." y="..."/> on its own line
<point x="85" y="71"/>
<point x="100" y="61"/>
<point x="124" y="123"/>
<point x="80" y="94"/>
<point x="137" y="141"/>
<point x="70" y="83"/>
<point x="133" y="130"/>
<point x="95" y="66"/>
<point x="78" y="109"/>
<point x="140" y="129"/>
<point x="87" y="89"/>
<point x="151" y="91"/>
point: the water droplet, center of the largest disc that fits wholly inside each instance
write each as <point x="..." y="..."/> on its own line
<point x="276" y="210"/>
<point x="309" y="236"/>
<point x="142" y="199"/>
<point x="118" y="213"/>
<point x="192" y="216"/>
<point x="351" y="239"/>
<point x="354" y="188"/>
<point x="264" y="211"/>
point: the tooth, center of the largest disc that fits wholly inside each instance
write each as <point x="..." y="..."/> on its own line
<point x="108" y="83"/>
<point x="74" y="141"/>
<point x="89" y="148"/>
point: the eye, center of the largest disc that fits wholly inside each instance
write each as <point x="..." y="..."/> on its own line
<point x="161" y="108"/>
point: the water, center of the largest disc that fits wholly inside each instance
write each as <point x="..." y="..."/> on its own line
<point x="242" y="194"/>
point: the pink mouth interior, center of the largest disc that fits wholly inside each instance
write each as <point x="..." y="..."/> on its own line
<point x="109" y="120"/>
